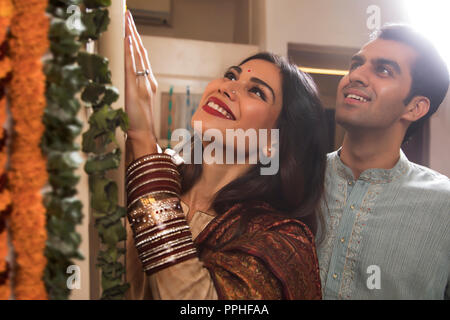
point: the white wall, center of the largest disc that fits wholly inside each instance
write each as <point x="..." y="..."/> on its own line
<point x="210" y="20"/>
<point x="323" y="22"/>
<point x="439" y="138"/>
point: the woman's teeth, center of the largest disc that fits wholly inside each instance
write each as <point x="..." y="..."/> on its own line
<point x="354" y="96"/>
<point x="220" y="109"/>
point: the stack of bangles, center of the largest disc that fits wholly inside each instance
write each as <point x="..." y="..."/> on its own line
<point x="161" y="233"/>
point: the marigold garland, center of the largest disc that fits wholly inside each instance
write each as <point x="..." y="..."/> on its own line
<point x="6" y="11"/>
<point x="27" y="175"/>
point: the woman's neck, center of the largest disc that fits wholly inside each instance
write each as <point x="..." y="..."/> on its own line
<point x="213" y="178"/>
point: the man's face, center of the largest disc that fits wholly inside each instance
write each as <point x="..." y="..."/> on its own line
<point x="371" y="95"/>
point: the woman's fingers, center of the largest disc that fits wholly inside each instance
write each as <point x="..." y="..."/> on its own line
<point x="142" y="50"/>
<point x="129" y="58"/>
<point x="138" y="58"/>
<point x="141" y="80"/>
<point x="130" y="69"/>
<point x="136" y="34"/>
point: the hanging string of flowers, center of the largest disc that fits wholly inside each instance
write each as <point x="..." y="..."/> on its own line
<point x="27" y="175"/>
<point x="64" y="81"/>
<point x="6" y="12"/>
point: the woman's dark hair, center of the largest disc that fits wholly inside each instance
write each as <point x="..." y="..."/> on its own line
<point x="430" y="76"/>
<point x="298" y="186"/>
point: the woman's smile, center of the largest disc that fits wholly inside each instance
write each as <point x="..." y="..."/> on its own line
<point x="217" y="107"/>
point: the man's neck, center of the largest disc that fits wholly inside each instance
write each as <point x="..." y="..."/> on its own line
<point x="362" y="152"/>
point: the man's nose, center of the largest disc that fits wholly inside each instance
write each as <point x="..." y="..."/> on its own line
<point x="359" y="75"/>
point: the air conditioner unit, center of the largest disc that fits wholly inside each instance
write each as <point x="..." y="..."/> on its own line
<point x="151" y="12"/>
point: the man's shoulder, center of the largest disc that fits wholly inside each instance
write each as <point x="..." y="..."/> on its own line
<point x="429" y="178"/>
<point x="330" y="157"/>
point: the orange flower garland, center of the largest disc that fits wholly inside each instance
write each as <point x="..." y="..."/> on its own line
<point x="6" y="10"/>
<point x="27" y="176"/>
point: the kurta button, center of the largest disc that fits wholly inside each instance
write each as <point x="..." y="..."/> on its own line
<point x="342" y="239"/>
<point x="352" y="207"/>
<point x="334" y="276"/>
<point x="350" y="183"/>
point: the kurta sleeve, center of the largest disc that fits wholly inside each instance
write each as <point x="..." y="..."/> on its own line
<point x="188" y="280"/>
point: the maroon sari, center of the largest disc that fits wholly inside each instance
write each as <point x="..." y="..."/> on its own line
<point x="273" y="257"/>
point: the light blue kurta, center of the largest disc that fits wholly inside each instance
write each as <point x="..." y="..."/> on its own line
<point x="397" y="220"/>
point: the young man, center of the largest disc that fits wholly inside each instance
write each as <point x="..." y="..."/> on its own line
<point x="388" y="220"/>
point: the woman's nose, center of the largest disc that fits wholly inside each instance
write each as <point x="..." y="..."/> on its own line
<point x="230" y="90"/>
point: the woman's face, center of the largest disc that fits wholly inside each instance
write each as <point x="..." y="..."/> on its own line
<point x="247" y="97"/>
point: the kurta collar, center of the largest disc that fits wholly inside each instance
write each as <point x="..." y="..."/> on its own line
<point x="375" y="176"/>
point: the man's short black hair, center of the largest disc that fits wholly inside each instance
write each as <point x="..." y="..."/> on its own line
<point x="430" y="76"/>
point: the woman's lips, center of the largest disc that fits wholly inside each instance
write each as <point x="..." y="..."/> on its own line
<point x="214" y="112"/>
<point x="218" y="108"/>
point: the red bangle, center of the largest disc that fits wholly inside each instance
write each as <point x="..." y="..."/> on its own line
<point x="162" y="235"/>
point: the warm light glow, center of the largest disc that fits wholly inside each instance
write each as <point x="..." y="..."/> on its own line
<point x="432" y="18"/>
<point x="334" y="72"/>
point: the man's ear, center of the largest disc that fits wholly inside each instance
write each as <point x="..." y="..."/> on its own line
<point x="416" y="108"/>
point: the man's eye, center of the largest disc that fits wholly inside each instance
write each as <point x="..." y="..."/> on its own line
<point x="229" y="75"/>
<point x="383" y="70"/>
<point x="354" y="65"/>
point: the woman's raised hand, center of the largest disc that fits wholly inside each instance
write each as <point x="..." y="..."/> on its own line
<point x="140" y="92"/>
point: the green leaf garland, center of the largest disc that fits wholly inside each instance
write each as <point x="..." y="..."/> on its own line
<point x="100" y="137"/>
<point x="68" y="72"/>
<point x="64" y="80"/>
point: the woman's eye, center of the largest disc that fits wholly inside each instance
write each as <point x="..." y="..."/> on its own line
<point x="258" y="92"/>
<point x="229" y="75"/>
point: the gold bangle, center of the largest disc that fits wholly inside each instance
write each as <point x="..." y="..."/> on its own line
<point x="161" y="205"/>
<point x="161" y="212"/>
<point x="168" y="250"/>
<point x="152" y="193"/>
<point x="164" y="246"/>
<point x="164" y="234"/>
<point x="172" y="258"/>
<point x="159" y="226"/>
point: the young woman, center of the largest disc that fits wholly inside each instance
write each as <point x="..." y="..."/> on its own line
<point x="224" y="231"/>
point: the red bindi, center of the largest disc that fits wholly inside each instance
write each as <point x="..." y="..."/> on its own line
<point x="249" y="70"/>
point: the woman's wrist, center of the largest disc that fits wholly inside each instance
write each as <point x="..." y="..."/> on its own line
<point x="143" y="145"/>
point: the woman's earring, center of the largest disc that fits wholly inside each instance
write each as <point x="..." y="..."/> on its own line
<point x="267" y="151"/>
